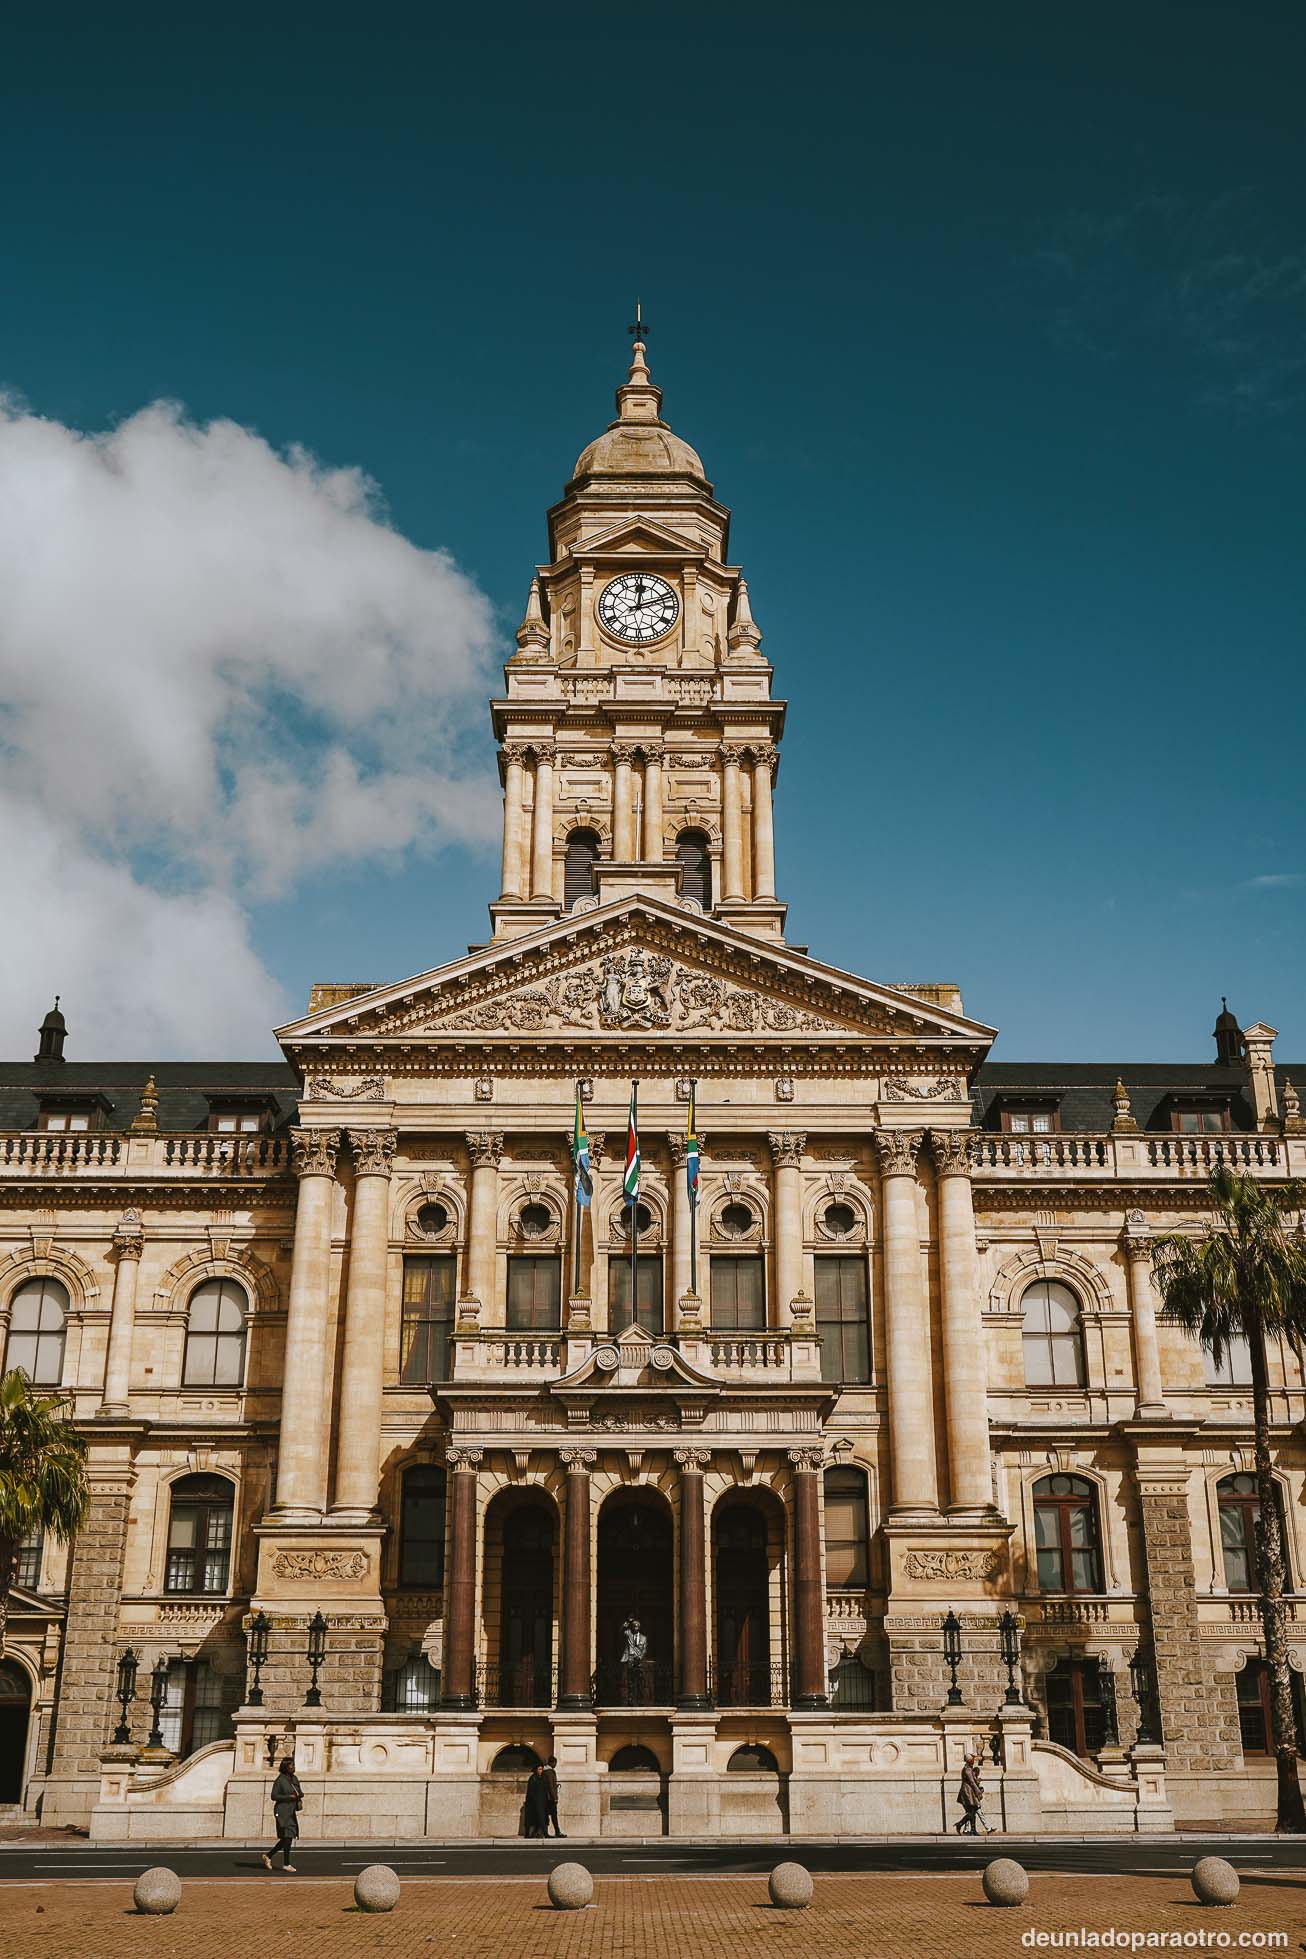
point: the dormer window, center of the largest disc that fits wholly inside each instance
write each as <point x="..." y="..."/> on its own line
<point x="1199" y="1118"/>
<point x="236" y="1115"/>
<point x="67" y="1114"/>
<point x="1031" y="1117"/>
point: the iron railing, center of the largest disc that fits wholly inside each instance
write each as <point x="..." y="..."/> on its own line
<point x="633" y="1683"/>
<point x="520" y="1684"/>
<point x="739" y="1683"/>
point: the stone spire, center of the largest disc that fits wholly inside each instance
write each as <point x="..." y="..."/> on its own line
<point x="53" y="1033"/>
<point x="743" y="638"/>
<point x="533" y="634"/>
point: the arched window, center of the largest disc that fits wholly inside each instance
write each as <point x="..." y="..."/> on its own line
<point x="412" y="1688"/>
<point x="515" y="1759"/>
<point x="1239" y="1509"/>
<point x="199" y="1535"/>
<point x="634" y="1759"/>
<point x="847" y="1531"/>
<point x="1053" y="1336"/>
<point x="752" y="1759"/>
<point x="421" y="1526"/>
<point x="695" y="859"/>
<point x="1066" y="1535"/>
<point x="582" y="854"/>
<point x="1235" y="1365"/>
<point x="215" y="1336"/>
<point x="38" y="1315"/>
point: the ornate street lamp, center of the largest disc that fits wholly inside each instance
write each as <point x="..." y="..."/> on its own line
<point x="1009" y="1634"/>
<point x="158" y="1695"/>
<point x="258" y="1652"/>
<point x="952" y="1654"/>
<point x="1142" y="1682"/>
<point x="317" y="1630"/>
<point x="125" y="1694"/>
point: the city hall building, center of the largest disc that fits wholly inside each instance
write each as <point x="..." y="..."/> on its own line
<point x="883" y="1448"/>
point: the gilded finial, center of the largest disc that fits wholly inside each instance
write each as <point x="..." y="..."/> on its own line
<point x="1124" y="1114"/>
<point x="146" y="1118"/>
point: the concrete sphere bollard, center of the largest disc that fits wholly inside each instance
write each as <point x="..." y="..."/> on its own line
<point x="571" y="1887"/>
<point x="1214" y="1881"/>
<point x="157" y="1891"/>
<point x="1005" y="1882"/>
<point x="376" y="1888"/>
<point x="790" y="1886"/>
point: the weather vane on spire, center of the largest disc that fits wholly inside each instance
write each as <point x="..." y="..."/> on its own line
<point x="639" y="326"/>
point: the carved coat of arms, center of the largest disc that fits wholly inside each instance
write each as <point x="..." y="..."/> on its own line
<point x="635" y="990"/>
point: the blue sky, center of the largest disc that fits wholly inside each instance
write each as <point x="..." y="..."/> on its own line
<point x="990" y="326"/>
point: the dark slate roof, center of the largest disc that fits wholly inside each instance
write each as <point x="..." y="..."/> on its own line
<point x="1082" y="1090"/>
<point x="184" y="1088"/>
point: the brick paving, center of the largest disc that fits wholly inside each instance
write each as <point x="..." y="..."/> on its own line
<point x="632" y="1918"/>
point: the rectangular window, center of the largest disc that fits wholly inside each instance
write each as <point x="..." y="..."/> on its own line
<point x="847" y="1531"/>
<point x="841" y="1317"/>
<point x="229" y="1122"/>
<point x="421" y="1528"/>
<point x="1047" y="1540"/>
<point x="534" y="1293"/>
<point x="27" y="1565"/>
<point x="1200" y="1122"/>
<point x="1235" y="1369"/>
<point x="63" y="1120"/>
<point x="649" y="1282"/>
<point x="1029" y="1121"/>
<point x="738" y="1290"/>
<point x="429" y="1288"/>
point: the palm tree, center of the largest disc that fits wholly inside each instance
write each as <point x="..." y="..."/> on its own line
<point x="1245" y="1277"/>
<point x="42" y="1474"/>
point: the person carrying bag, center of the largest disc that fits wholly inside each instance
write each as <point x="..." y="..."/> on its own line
<point x="287" y="1799"/>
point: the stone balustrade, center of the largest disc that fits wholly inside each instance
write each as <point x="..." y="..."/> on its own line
<point x="998" y="1157"/>
<point x="102" y="1153"/>
<point x="735" y="1351"/>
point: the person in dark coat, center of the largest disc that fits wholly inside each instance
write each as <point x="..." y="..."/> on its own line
<point x="551" y="1794"/>
<point x="971" y="1798"/>
<point x="286" y="1799"/>
<point x="537" y="1803"/>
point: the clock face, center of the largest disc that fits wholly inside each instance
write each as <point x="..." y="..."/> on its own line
<point x="638" y="607"/>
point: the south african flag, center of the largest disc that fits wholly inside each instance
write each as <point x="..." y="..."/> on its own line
<point x="630" y="1183"/>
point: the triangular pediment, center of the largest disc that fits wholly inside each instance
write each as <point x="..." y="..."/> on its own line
<point x="635" y="1361"/>
<point x="639" y="968"/>
<point x="636" y="537"/>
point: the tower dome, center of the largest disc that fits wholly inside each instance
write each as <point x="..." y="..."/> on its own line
<point x="639" y="442"/>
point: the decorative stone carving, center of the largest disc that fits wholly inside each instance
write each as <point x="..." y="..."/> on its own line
<point x="484" y="1089"/>
<point x="787" y="1146"/>
<point x="808" y="1457"/>
<point x="953" y="1565"/>
<point x="461" y="1457"/>
<point x="635" y="990"/>
<point x="693" y="1461"/>
<point x="951" y="1151"/>
<point x="762" y="755"/>
<point x="1136" y="1238"/>
<point x="1122" y="1122"/>
<point x="319" y="1564"/>
<point x="731" y="755"/>
<point x="515" y="751"/>
<point x="129" y="1238"/>
<point x="373" y="1151"/>
<point x="485" y="1147"/>
<point x="326" y="1088"/>
<point x="925" y="1090"/>
<point x="578" y="1461"/>
<point x="784" y="1088"/>
<point x="313" y="1151"/>
<point x="897" y="1150"/>
<point x="146" y="1119"/>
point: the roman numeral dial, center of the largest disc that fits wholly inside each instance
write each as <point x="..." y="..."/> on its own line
<point x="638" y="607"/>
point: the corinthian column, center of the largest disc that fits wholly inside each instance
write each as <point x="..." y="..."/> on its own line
<point x="485" y="1147"/>
<point x="623" y="804"/>
<point x="542" y="853"/>
<point x="301" y="1466"/>
<point x="458" y="1674"/>
<point x="1137" y="1246"/>
<point x="128" y="1244"/>
<point x="732" y="823"/>
<point x="513" y="756"/>
<point x="574" y="1672"/>
<point x="764" y="760"/>
<point x="965" y="1379"/>
<point x="358" y="1447"/>
<point x="787" y="1148"/>
<point x="653" y="805"/>
<point x="907" y="1322"/>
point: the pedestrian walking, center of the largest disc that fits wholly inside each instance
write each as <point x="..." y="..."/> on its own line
<point x="551" y="1794"/>
<point x="287" y="1800"/>
<point x="537" y="1803"/>
<point x="971" y="1797"/>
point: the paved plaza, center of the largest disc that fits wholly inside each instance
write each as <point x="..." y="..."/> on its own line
<point x="661" y="1917"/>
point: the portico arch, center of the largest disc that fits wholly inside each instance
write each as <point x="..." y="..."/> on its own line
<point x="521" y="1541"/>
<point x="748" y="1537"/>
<point x="636" y="1580"/>
<point x="15" y="1715"/>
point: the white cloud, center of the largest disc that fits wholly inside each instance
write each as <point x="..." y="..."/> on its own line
<point x="220" y="670"/>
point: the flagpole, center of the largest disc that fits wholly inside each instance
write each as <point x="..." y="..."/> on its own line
<point x="575" y="1181"/>
<point x="634" y="1216"/>
<point x="693" y="1208"/>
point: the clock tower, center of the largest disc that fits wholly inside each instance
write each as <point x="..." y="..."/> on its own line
<point x="638" y="735"/>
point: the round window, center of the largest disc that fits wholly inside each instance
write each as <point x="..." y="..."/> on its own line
<point x="840" y="1220"/>
<point x="644" y="1218"/>
<point x="535" y="1220"/>
<point x="736" y="1220"/>
<point x="431" y="1220"/>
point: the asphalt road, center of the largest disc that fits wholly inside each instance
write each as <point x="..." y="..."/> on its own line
<point x="1149" y="1856"/>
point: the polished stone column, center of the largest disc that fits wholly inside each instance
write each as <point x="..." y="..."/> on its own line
<point x="965" y="1377"/>
<point x="653" y="805"/>
<point x="808" y="1685"/>
<point x="485" y="1148"/>
<point x="301" y="1467"/>
<point x="1137" y="1246"/>
<point x="733" y="824"/>
<point x="128" y="1244"/>
<point x="624" y="844"/>
<point x="358" y="1444"/>
<point x="513" y="798"/>
<point x="907" y="1321"/>
<point x="458" y="1672"/>
<point x="764" y="760"/>
<point x="575" y="1672"/>
<point x="787" y="1156"/>
<point x="542" y="851"/>
<point x="693" y="1580"/>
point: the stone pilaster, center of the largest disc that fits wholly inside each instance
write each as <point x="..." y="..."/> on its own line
<point x="542" y="841"/>
<point x="86" y="1709"/>
<point x="965" y="1380"/>
<point x="652" y="804"/>
<point x="624" y="844"/>
<point x="514" y="757"/>
<point x="907" y="1322"/>
<point x="128" y="1245"/>
<point x="764" y="761"/>
<point x="1136" y="1243"/>
<point x="787" y="1156"/>
<point x="485" y="1148"/>
<point x="733" y="825"/>
<point x="358" y="1451"/>
<point x="302" y="1463"/>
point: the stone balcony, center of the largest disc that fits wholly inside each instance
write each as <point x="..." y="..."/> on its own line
<point x="1128" y="1157"/>
<point x="493" y="1354"/>
<point x="106" y="1156"/>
